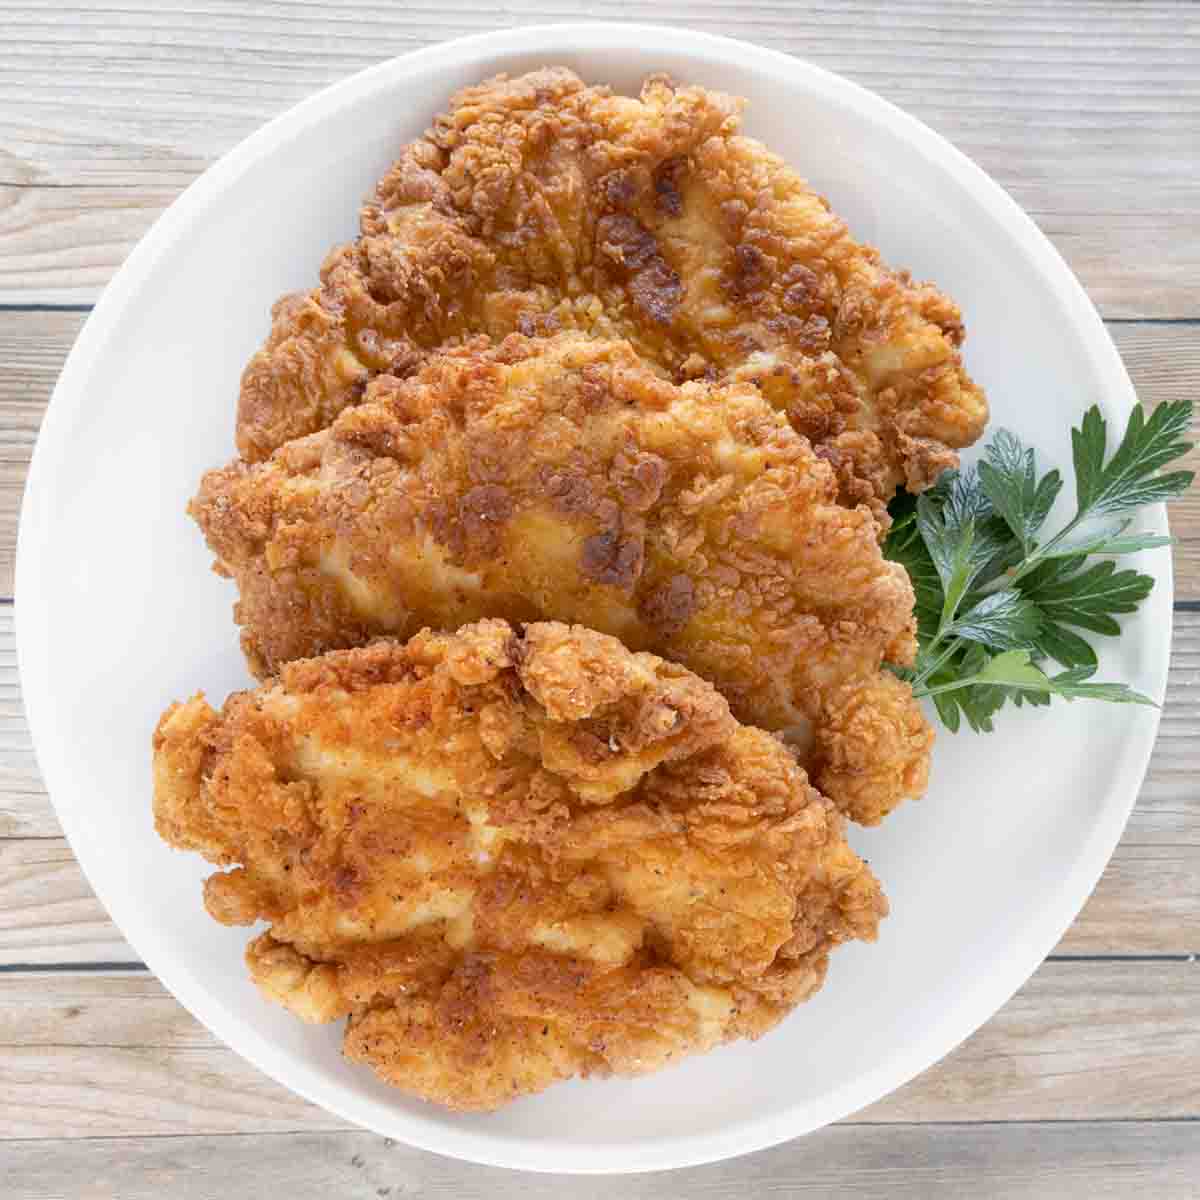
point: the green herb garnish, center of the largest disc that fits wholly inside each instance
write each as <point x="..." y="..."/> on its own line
<point x="997" y="600"/>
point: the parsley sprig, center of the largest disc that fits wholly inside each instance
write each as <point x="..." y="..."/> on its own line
<point x="998" y="600"/>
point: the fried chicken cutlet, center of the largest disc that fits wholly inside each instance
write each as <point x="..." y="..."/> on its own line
<point x="538" y="204"/>
<point x="562" y="479"/>
<point x="511" y="858"/>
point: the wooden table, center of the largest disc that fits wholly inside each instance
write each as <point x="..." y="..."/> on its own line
<point x="1087" y="1083"/>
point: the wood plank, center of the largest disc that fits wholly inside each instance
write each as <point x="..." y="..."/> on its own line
<point x="110" y="1054"/>
<point x="62" y="245"/>
<point x="1146" y="902"/>
<point x="24" y="806"/>
<point x="125" y="1009"/>
<point x="48" y="913"/>
<point x="969" y="1162"/>
<point x="33" y="348"/>
<point x="1163" y="361"/>
<point x="1081" y="1040"/>
<point x="104" y="1092"/>
<point x="1086" y="113"/>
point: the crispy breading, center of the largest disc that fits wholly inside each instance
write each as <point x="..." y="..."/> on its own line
<point x="871" y="746"/>
<point x="561" y="479"/>
<point x="537" y="204"/>
<point x="511" y="858"/>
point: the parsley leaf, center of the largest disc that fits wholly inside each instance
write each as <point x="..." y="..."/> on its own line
<point x="996" y="599"/>
<point x="1128" y="479"/>
<point x="905" y="545"/>
<point x="1008" y="476"/>
<point x="967" y="543"/>
<point x="981" y="702"/>
<point x="948" y="709"/>
<point x="1016" y="669"/>
<point x="1006" y="620"/>
<point x="1110" y="540"/>
<point x="1064" y="646"/>
<point x="1088" y="597"/>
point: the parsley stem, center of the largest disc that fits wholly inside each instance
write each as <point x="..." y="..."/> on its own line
<point x="970" y="681"/>
<point x="1042" y="552"/>
<point x="1049" y="687"/>
<point x="931" y="668"/>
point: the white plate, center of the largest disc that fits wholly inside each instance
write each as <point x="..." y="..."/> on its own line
<point x="118" y="613"/>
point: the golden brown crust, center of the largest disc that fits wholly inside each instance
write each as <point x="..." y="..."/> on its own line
<point x="872" y="744"/>
<point x="511" y="858"/>
<point x="561" y="479"/>
<point x="538" y="204"/>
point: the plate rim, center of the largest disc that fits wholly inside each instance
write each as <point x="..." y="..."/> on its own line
<point x="31" y="627"/>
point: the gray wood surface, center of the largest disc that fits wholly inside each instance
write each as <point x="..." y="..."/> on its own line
<point x="1088" y="1160"/>
<point x="110" y="1054"/>
<point x="1086" y="112"/>
<point x="1084" y="1085"/>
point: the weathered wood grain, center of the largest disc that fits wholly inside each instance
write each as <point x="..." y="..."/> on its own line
<point x="48" y="913"/>
<point x="24" y="805"/>
<point x="63" y="244"/>
<point x="1086" y="113"/>
<point x="114" y="1009"/>
<point x="111" y="1054"/>
<point x="33" y="348"/>
<point x="1146" y="902"/>
<point x="1068" y="1161"/>
<point x="1163" y="361"/>
<point x="1090" y="115"/>
<point x="104" y="1092"/>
